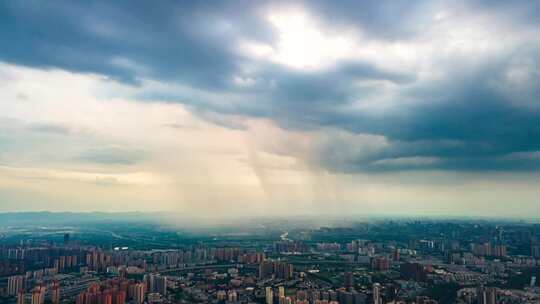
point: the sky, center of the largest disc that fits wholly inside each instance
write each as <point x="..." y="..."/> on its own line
<point x="229" y="108"/>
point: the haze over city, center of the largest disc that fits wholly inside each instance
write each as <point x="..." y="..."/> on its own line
<point x="241" y="108"/>
<point x="269" y="152"/>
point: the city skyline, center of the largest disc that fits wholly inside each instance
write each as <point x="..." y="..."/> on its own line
<point x="276" y="108"/>
<point x="386" y="261"/>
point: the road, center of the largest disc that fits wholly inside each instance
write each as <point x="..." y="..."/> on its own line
<point x="216" y="266"/>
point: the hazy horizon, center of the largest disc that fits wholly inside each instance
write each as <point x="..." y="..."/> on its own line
<point x="276" y="108"/>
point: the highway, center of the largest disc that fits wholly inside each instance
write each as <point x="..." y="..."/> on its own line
<point x="214" y="266"/>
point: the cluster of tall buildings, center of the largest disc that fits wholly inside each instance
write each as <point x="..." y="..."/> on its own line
<point x="487" y="249"/>
<point x="481" y="295"/>
<point x="275" y="269"/>
<point x="55" y="292"/>
<point x="381" y="263"/>
<point x="118" y="291"/>
<point x="15" y="284"/>
<point x="486" y="295"/>
<point x="98" y="260"/>
<point x="37" y="295"/>
<point x="251" y="257"/>
<point x="291" y="246"/>
<point x="220" y="254"/>
<point x="107" y="294"/>
<point x="156" y="283"/>
<point x="55" y="259"/>
<point x="16" y="287"/>
<point x="339" y="296"/>
<point x="13" y="253"/>
<point x="230" y="296"/>
<point x="328" y="246"/>
<point x="18" y="260"/>
<point x="413" y="271"/>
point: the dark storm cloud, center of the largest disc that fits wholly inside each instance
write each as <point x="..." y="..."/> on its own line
<point x="386" y="19"/>
<point x="471" y="119"/>
<point x="401" y="19"/>
<point x="283" y="88"/>
<point x="185" y="41"/>
<point x="464" y="123"/>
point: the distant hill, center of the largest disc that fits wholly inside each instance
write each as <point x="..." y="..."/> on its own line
<point x="71" y="218"/>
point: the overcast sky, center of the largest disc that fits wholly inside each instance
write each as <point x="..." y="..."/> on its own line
<point x="268" y="107"/>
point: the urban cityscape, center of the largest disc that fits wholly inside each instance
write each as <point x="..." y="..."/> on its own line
<point x="270" y="151"/>
<point x="272" y="261"/>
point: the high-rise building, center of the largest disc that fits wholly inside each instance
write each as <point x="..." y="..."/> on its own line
<point x="486" y="295"/>
<point x="535" y="251"/>
<point x="288" y="275"/>
<point x="491" y="295"/>
<point x="345" y="296"/>
<point x="380" y="263"/>
<point x="377" y="293"/>
<point x="232" y="296"/>
<point x="106" y="297"/>
<point x="55" y="293"/>
<point x="280" y="270"/>
<point x="21" y="297"/>
<point x="158" y="284"/>
<point x="314" y="295"/>
<point x="119" y="297"/>
<point x="221" y="295"/>
<point x="281" y="291"/>
<point x="139" y="292"/>
<point x="266" y="269"/>
<point x="395" y="255"/>
<point x="348" y="279"/>
<point x="358" y="298"/>
<point x="38" y="295"/>
<point x="414" y="271"/>
<point x="80" y="298"/>
<point x="269" y="295"/>
<point x="301" y="295"/>
<point x="483" y="249"/>
<point x="15" y="284"/>
<point x="499" y="251"/>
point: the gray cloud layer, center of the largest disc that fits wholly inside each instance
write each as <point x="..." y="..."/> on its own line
<point x="483" y="114"/>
